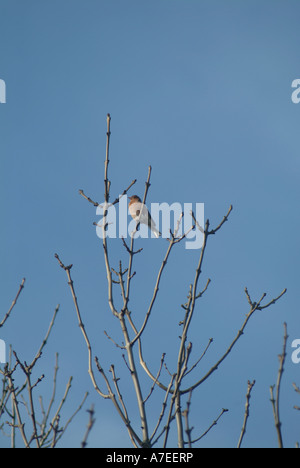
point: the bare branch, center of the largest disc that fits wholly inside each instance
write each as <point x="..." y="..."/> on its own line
<point x="201" y="357"/>
<point x="157" y="377"/>
<point x="15" y="401"/>
<point x="81" y="192"/>
<point x="39" y="353"/>
<point x="273" y="301"/>
<point x="117" y="200"/>
<point x="225" y="219"/>
<point x="164" y="406"/>
<point x="105" y="246"/>
<point x="185" y="414"/>
<point x="254" y="308"/>
<point x="131" y="251"/>
<point x="82" y="328"/>
<point x="123" y="415"/>
<point x="123" y="193"/>
<point x="90" y="425"/>
<point x="156" y="288"/>
<point x="211" y="426"/>
<point x="52" y="399"/>
<point x="13" y="303"/>
<point x="248" y="297"/>
<point x="247" y="408"/>
<point x="275" y="400"/>
<point x="297" y="390"/>
<point x="115" y="380"/>
<point x="63" y="429"/>
<point x="106" y="181"/>
<point x="204" y="290"/>
<point x="113" y="341"/>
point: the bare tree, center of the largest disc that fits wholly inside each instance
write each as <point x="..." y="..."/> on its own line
<point x="21" y="411"/>
<point x="176" y="392"/>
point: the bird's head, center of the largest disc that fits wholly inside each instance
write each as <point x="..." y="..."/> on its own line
<point x="135" y="199"/>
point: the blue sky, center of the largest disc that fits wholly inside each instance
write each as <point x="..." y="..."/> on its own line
<point x="201" y="90"/>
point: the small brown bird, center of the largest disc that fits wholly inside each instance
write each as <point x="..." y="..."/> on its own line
<point x="140" y="213"/>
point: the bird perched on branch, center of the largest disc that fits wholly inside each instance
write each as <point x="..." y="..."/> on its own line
<point x="140" y="214"/>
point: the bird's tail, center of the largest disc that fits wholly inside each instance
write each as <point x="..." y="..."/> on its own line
<point x="152" y="226"/>
<point x="156" y="232"/>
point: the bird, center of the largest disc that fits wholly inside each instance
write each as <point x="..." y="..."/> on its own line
<point x="139" y="212"/>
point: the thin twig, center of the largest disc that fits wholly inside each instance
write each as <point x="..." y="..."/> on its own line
<point x="90" y="425"/>
<point x="211" y="426"/>
<point x="201" y="357"/>
<point x="131" y="250"/>
<point x="106" y="181"/>
<point x="297" y="390"/>
<point x="164" y="406"/>
<point x="39" y="353"/>
<point x="275" y="400"/>
<point x="185" y="414"/>
<point x="46" y="415"/>
<point x="104" y="237"/>
<point x="27" y="371"/>
<point x="115" y="380"/>
<point x="13" y="303"/>
<point x="156" y="288"/>
<point x="115" y="202"/>
<point x="16" y="409"/>
<point x="63" y="430"/>
<point x="157" y="377"/>
<point x="113" y="341"/>
<point x="256" y="306"/>
<point x="247" y="408"/>
<point x="81" y="192"/>
<point x="82" y="328"/>
<point x="225" y="219"/>
<point x="119" y="410"/>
